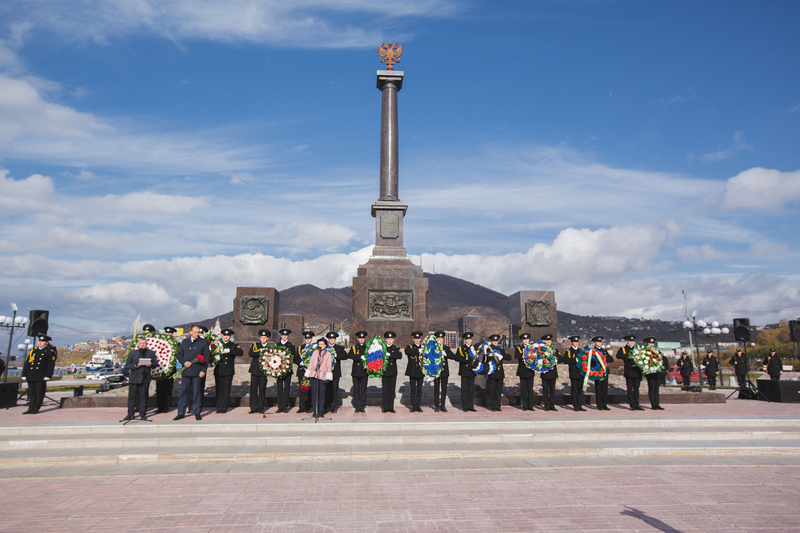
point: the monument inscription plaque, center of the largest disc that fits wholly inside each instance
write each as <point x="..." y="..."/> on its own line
<point x="253" y="310"/>
<point x="390" y="226"/>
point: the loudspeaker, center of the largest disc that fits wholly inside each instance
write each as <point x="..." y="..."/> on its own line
<point x="741" y="329"/>
<point x="38" y="322"/>
<point x="794" y="330"/>
<point x="8" y="395"/>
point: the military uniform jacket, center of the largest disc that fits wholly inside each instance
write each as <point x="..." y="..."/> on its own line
<point x="140" y="374"/>
<point x="255" y="359"/>
<point x="448" y="354"/>
<point x="298" y="360"/>
<point x="553" y="372"/>
<point x="631" y="370"/>
<point x="414" y="368"/>
<point x="292" y="350"/>
<point x="609" y="359"/>
<point x="774" y="365"/>
<point x="687" y="367"/>
<point x="570" y="358"/>
<point x="40" y="363"/>
<point x="391" y="362"/>
<point x="466" y="365"/>
<point x="188" y="351"/>
<point x="500" y="373"/>
<point x="337" y="366"/>
<point x="711" y="365"/>
<point x="740" y="364"/>
<point x="355" y="353"/>
<point x="522" y="369"/>
<point x="226" y="365"/>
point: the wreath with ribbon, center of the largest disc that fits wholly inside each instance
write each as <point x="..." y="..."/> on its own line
<point x="477" y="365"/>
<point x="648" y="358"/>
<point x="539" y="356"/>
<point x="215" y="345"/>
<point x="432" y="357"/>
<point x="332" y="351"/>
<point x="276" y="361"/>
<point x="592" y="364"/>
<point x="166" y="348"/>
<point x="493" y="355"/>
<point x="375" y="356"/>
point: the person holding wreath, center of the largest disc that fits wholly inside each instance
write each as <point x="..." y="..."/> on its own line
<point x="414" y="370"/>
<point x="549" y="379"/>
<point x="258" y="379"/>
<point x="466" y="369"/>
<point x="601" y="385"/>
<point x="283" y="384"/>
<point x="440" y="383"/>
<point x="653" y="380"/>
<point x="524" y="374"/>
<point x="633" y="374"/>
<point x="319" y="372"/>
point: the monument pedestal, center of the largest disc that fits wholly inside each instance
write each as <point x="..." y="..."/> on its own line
<point x="254" y="308"/>
<point x="533" y="312"/>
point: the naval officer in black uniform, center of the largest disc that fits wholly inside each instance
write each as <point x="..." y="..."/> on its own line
<point x="601" y="385"/>
<point x="466" y="370"/>
<point x="224" y="369"/>
<point x="283" y="385"/>
<point x="633" y="374"/>
<point x="494" y="381"/>
<point x="549" y="379"/>
<point x="389" y="379"/>
<point x="332" y="387"/>
<point x="653" y="382"/>
<point x="37" y="371"/>
<point x="570" y="358"/>
<point x="440" y="383"/>
<point x="358" y="372"/>
<point x="525" y="374"/>
<point x="414" y="370"/>
<point x="258" y="379"/>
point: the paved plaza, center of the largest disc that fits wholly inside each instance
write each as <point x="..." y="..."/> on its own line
<point x="710" y="487"/>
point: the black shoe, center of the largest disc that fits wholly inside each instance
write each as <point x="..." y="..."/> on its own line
<point x="638" y="408"/>
<point x="553" y="408"/>
<point x="198" y="417"/>
<point x="129" y="417"/>
<point x="580" y="409"/>
<point x="435" y="409"/>
<point x="179" y="417"/>
<point x="143" y="417"/>
<point x="252" y="411"/>
<point x="659" y="408"/>
<point x="442" y="409"/>
<point x="332" y="411"/>
<point x="391" y="411"/>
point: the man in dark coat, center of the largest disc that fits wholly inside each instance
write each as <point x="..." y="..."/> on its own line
<point x="494" y="381"/>
<point x="570" y="358"/>
<point x="164" y="385"/>
<point x="524" y="373"/>
<point x="711" y="367"/>
<point x="549" y="379"/>
<point x="389" y="379"/>
<point x="653" y="382"/>
<point x="194" y="354"/>
<point x="686" y="369"/>
<point x="359" y="373"/>
<point x="774" y="364"/>
<point x="37" y="371"/>
<point x="283" y="385"/>
<point x="741" y="366"/>
<point x="304" y="394"/>
<point x="414" y="371"/>
<point x="466" y="370"/>
<point x="258" y="379"/>
<point x="440" y="383"/>
<point x="224" y="369"/>
<point x="601" y="385"/>
<point x="633" y="374"/>
<point x="138" y="368"/>
<point x="332" y="388"/>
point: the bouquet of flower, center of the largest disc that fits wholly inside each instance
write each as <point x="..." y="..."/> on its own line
<point x="431" y="357"/>
<point x="375" y="356"/>
<point x="276" y="361"/>
<point x="215" y="345"/>
<point x="166" y="348"/>
<point x="592" y="364"/>
<point x="648" y="358"/>
<point x="539" y="356"/>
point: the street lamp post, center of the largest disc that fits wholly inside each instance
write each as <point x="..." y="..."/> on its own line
<point x="715" y="331"/>
<point x="11" y="322"/>
<point x="692" y="326"/>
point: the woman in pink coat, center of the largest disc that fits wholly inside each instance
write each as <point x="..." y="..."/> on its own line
<point x="320" y="370"/>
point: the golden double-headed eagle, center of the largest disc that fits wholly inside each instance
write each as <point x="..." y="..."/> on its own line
<point x="390" y="54"/>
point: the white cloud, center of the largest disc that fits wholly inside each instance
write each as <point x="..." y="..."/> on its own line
<point x="701" y="254"/>
<point x="739" y="143"/>
<point x="761" y="189"/>
<point x="303" y="23"/>
<point x="767" y="248"/>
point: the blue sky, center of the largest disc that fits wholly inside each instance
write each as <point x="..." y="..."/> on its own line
<point x="155" y="155"/>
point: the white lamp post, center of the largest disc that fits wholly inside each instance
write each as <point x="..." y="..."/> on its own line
<point x="11" y="322"/>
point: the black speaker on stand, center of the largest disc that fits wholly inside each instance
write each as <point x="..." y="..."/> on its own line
<point x="741" y="329"/>
<point x="38" y="324"/>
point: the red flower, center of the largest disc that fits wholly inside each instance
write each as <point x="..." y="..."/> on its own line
<point x="201" y="359"/>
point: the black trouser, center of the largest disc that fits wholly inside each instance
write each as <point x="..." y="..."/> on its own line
<point x="36" y="392"/>
<point x="282" y="387"/>
<point x="548" y="393"/>
<point x="332" y="395"/>
<point x="139" y="391"/>
<point x="601" y="393"/>
<point x="388" y="384"/>
<point x="223" y="387"/>
<point x="741" y="379"/>
<point x="526" y="393"/>
<point x="774" y="376"/>
<point x="303" y="397"/>
<point x="258" y="392"/>
<point x="164" y="394"/>
<point x="653" y="383"/>
<point x="416" y="392"/>
<point x="576" y="391"/>
<point x="494" y="389"/>
<point x="317" y="397"/>
<point x="687" y="381"/>
<point x="633" y="391"/>
<point x="712" y="381"/>
<point x="467" y="393"/>
<point x="440" y="391"/>
<point x="360" y="393"/>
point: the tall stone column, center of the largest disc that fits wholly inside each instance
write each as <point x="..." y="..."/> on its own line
<point x="389" y="291"/>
